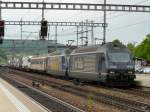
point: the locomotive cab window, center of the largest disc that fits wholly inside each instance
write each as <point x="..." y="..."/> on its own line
<point x="119" y="57"/>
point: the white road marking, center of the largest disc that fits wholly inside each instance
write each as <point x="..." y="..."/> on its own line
<point x="18" y="104"/>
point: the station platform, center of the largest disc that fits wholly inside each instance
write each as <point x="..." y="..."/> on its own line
<point x="13" y="100"/>
<point x="143" y="79"/>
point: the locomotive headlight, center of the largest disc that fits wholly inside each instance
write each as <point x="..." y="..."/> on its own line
<point x="130" y="72"/>
<point x="112" y="72"/>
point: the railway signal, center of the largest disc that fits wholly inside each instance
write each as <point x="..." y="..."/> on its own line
<point x="44" y="27"/>
<point x="2" y="30"/>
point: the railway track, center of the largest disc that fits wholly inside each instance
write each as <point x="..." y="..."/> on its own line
<point x="51" y="103"/>
<point x="126" y="104"/>
<point x="134" y="91"/>
<point x="138" y="91"/>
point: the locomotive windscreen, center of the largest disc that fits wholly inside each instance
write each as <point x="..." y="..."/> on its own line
<point x="119" y="57"/>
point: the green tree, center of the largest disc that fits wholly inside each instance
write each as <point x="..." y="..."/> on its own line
<point x="143" y="49"/>
<point x="131" y="47"/>
<point x="117" y="41"/>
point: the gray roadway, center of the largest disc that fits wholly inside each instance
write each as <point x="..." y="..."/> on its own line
<point x="144" y="79"/>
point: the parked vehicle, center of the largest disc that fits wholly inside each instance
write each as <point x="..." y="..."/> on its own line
<point x="146" y="70"/>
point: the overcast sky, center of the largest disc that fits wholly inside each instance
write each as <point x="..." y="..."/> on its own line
<point x="128" y="27"/>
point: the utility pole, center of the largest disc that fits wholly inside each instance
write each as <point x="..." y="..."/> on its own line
<point x="0" y="11"/>
<point x="56" y="37"/>
<point x="43" y="10"/>
<point x="104" y="27"/>
<point x="87" y="32"/>
<point x="82" y="30"/>
<point x="49" y="30"/>
<point x="21" y="28"/>
<point x="82" y="34"/>
<point x="92" y="34"/>
<point x="77" y="36"/>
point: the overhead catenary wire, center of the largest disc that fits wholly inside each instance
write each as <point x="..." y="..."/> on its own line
<point x="129" y="25"/>
<point x="122" y="13"/>
<point x="144" y="1"/>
